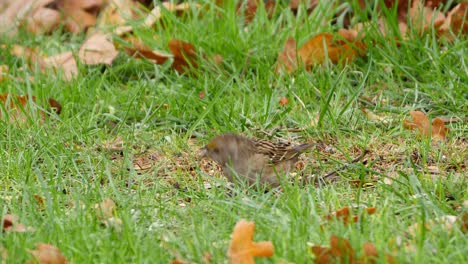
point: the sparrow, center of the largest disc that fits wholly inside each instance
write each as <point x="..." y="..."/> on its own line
<point x="253" y="159"/>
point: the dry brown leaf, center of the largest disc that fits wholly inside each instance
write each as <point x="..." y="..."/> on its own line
<point x="309" y="4"/>
<point x="21" y="107"/>
<point x="31" y="55"/>
<point x="138" y="49"/>
<point x="4" y="72"/>
<point x="105" y="209"/>
<point x="438" y="131"/>
<point x="157" y="12"/>
<point x="64" y="62"/>
<point x="47" y="254"/>
<point x="43" y="20"/>
<point x="341" y="248"/>
<point x="344" y="214"/>
<point x="370" y="253"/>
<point x="98" y="49"/>
<point x="287" y="59"/>
<point x="316" y="51"/>
<point x="119" y="12"/>
<point x="456" y="19"/>
<point x="185" y="55"/>
<point x="319" y="48"/>
<point x="423" y="17"/>
<point x="80" y="14"/>
<point x="283" y="101"/>
<point x="17" y="11"/>
<point x="242" y="249"/>
<point x="11" y="223"/>
<point x="464" y="222"/>
<point x="341" y="251"/>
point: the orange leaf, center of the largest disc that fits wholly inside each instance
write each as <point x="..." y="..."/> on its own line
<point x="287" y="59"/>
<point x="322" y="255"/>
<point x="370" y="253"/>
<point x="47" y="254"/>
<point x="341" y="248"/>
<point x="321" y="47"/>
<point x="283" y="101"/>
<point x="98" y="49"/>
<point x="371" y="210"/>
<point x="184" y="55"/>
<point x="438" y="131"/>
<point x="242" y="249"/>
<point x="420" y="122"/>
<point x="139" y="50"/>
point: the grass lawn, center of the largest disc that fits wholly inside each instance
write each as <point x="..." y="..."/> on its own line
<point x="131" y="132"/>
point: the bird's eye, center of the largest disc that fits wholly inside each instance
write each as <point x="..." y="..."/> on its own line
<point x="216" y="150"/>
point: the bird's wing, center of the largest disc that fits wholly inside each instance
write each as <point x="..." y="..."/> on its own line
<point x="278" y="152"/>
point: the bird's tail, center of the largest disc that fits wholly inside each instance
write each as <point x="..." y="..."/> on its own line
<point x="303" y="147"/>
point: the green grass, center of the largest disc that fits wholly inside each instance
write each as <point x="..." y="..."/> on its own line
<point x="153" y="109"/>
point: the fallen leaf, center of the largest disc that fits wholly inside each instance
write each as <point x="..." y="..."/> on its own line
<point x="370" y="253"/>
<point x="157" y="11"/>
<point x="118" y="13"/>
<point x="439" y="131"/>
<point x="283" y="101"/>
<point x="136" y="48"/>
<point x="423" y="17"/>
<point x="344" y="214"/>
<point x="184" y="55"/>
<point x="322" y="47"/>
<point x="420" y="122"/>
<point x="47" y="254"/>
<point x="341" y="251"/>
<point x="11" y="224"/>
<point x="39" y="200"/>
<point x="242" y="249"/>
<point x="80" y="14"/>
<point x="456" y="19"/>
<point x="31" y="55"/>
<point x="64" y="62"/>
<point x="105" y="209"/>
<point x="464" y="222"/>
<point x="43" y="20"/>
<point x="316" y="51"/>
<point x="287" y="59"/>
<point x="98" y="49"/>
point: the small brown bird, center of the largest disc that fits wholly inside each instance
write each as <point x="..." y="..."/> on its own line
<point x="252" y="158"/>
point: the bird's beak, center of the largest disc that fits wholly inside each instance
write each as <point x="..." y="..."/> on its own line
<point x="203" y="152"/>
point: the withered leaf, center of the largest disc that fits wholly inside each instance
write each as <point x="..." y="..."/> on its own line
<point x="98" y="49"/>
<point x="47" y="254"/>
<point x="437" y="130"/>
<point x="242" y="249"/>
<point x="185" y="55"/>
<point x="138" y="49"/>
<point x="64" y="62"/>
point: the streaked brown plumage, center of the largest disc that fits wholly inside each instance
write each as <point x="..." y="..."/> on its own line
<point x="252" y="158"/>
